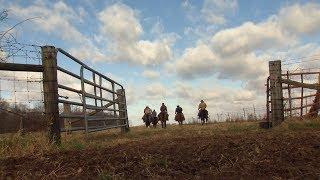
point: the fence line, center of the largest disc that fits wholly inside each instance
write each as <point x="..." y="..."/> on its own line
<point x="84" y="101"/>
<point x="299" y="92"/>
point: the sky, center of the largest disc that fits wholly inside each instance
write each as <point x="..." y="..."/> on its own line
<point x="176" y="51"/>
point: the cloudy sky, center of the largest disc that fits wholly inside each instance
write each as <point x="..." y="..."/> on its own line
<point x="177" y="51"/>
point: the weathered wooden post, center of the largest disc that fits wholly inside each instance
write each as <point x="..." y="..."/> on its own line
<point x="277" y="115"/>
<point x="21" y="125"/>
<point x="50" y="89"/>
<point x="123" y="114"/>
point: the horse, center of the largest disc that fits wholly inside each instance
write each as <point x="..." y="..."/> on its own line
<point x="154" y="121"/>
<point x="180" y="118"/>
<point x="147" y="119"/>
<point x="163" y="117"/>
<point x="203" y="116"/>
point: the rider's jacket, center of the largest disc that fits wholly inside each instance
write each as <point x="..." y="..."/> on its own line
<point x="147" y="111"/>
<point x="163" y="108"/>
<point x="178" y="110"/>
<point x="202" y="106"/>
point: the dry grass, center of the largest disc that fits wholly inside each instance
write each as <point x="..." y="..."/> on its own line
<point x="218" y="149"/>
<point x="16" y="145"/>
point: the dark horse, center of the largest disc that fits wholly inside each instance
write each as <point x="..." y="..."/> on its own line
<point x="154" y="120"/>
<point x="147" y="119"/>
<point x="163" y="117"/>
<point x="203" y="115"/>
<point x="180" y="118"/>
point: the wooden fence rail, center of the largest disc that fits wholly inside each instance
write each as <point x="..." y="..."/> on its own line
<point x="276" y="101"/>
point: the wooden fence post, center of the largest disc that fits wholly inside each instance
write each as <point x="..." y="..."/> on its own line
<point x="50" y="89"/>
<point x="277" y="115"/>
<point x="123" y="110"/>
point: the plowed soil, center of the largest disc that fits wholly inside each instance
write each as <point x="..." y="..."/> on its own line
<point x="228" y="155"/>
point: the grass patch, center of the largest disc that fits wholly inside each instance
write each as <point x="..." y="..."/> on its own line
<point x="15" y="145"/>
<point x="297" y="126"/>
<point x="105" y="176"/>
<point x="237" y="127"/>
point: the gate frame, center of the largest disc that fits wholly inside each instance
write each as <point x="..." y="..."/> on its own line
<point x="49" y="68"/>
<point x="275" y="114"/>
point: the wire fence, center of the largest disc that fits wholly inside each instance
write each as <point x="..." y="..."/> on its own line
<point x="21" y="93"/>
<point x="299" y="79"/>
<point x="240" y="115"/>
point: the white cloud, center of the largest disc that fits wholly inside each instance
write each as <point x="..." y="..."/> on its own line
<point x="58" y="19"/>
<point x="249" y="37"/>
<point x="191" y="11"/>
<point x="131" y="94"/>
<point x="242" y="52"/>
<point x="156" y="90"/>
<point x="218" y="98"/>
<point x="213" y="11"/>
<point x="197" y="61"/>
<point x="201" y="61"/>
<point x="121" y="25"/>
<point x="57" y="16"/>
<point x="301" y="19"/>
<point x="150" y="74"/>
<point x="157" y="28"/>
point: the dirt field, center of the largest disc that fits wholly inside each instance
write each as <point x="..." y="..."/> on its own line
<point x="217" y="150"/>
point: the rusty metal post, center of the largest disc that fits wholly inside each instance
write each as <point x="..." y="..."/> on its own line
<point x="268" y="101"/>
<point x="50" y="89"/>
<point x="301" y="100"/>
<point x="123" y="114"/>
<point x="289" y="96"/>
<point x="84" y="103"/>
<point x="277" y="115"/>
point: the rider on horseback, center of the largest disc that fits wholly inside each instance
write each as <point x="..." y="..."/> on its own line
<point x="154" y="118"/>
<point x="147" y="115"/>
<point x="203" y="113"/>
<point x="179" y="115"/>
<point x="163" y="115"/>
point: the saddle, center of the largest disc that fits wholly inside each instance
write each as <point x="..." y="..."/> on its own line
<point x="163" y="116"/>
<point x="203" y="113"/>
<point x="179" y="117"/>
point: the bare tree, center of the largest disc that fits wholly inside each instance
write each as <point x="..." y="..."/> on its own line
<point x="3" y="17"/>
<point x="7" y="38"/>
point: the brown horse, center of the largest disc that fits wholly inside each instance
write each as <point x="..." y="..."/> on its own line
<point x="163" y="117"/>
<point x="180" y="118"/>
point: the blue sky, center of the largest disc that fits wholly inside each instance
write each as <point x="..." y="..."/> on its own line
<point x="176" y="52"/>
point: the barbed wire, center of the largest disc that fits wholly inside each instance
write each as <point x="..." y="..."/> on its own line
<point x="299" y="58"/>
<point x="18" y="88"/>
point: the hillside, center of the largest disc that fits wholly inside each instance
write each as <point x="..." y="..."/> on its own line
<point x="218" y="150"/>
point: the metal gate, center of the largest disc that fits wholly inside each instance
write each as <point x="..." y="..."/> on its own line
<point x="103" y="107"/>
